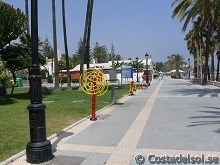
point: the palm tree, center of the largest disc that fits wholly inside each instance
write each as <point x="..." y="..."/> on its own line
<point x="192" y="45"/>
<point x="86" y="36"/>
<point x="207" y="11"/>
<point x="195" y="45"/>
<point x="27" y="15"/>
<point x="177" y="60"/>
<point x="217" y="45"/>
<point x="65" y="44"/>
<point x="218" y="57"/>
<point x="56" y="87"/>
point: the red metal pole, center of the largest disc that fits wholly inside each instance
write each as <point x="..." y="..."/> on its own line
<point x="93" y="107"/>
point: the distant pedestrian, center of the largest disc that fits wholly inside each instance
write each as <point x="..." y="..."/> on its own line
<point x="160" y="77"/>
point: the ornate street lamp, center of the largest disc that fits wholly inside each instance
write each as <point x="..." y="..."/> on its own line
<point x="146" y="57"/>
<point x="188" y="68"/>
<point x="137" y="68"/>
<point x="39" y="149"/>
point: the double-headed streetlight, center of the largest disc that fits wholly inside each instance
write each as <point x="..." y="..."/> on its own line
<point x="146" y="57"/>
<point x="137" y="68"/>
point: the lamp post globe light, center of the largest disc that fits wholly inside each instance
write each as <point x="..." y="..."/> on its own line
<point x="188" y="68"/>
<point x="146" y="57"/>
<point x="39" y="149"/>
<point x="137" y="68"/>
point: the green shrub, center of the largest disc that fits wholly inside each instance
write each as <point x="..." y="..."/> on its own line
<point x="50" y="79"/>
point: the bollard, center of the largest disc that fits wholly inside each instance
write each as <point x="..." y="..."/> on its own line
<point x="132" y="88"/>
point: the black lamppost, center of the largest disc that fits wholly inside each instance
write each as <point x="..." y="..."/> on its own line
<point x="146" y="57"/>
<point x="137" y="68"/>
<point x="188" y="68"/>
<point x="39" y="149"/>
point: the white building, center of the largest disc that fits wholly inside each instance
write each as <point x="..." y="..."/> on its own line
<point x="49" y="66"/>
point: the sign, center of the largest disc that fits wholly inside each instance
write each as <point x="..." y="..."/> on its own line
<point x="126" y="72"/>
<point x="112" y="74"/>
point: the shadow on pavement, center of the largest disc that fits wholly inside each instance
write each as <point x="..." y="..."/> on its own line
<point x="60" y="136"/>
<point x="209" y="118"/>
<point x="198" y="92"/>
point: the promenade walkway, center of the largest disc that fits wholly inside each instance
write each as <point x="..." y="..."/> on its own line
<point x="170" y="117"/>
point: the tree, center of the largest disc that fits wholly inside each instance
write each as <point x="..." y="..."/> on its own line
<point x="16" y="59"/>
<point x="4" y="79"/>
<point x="217" y="45"/>
<point x="76" y="58"/>
<point x="47" y="49"/>
<point x="17" y="56"/>
<point x="167" y="66"/>
<point x="118" y="57"/>
<point x="218" y="65"/>
<point x="177" y="60"/>
<point x="159" y="66"/>
<point x="136" y="64"/>
<point x="27" y="15"/>
<point x="56" y="70"/>
<point x="62" y="63"/>
<point x="65" y="44"/>
<point x="85" y="58"/>
<point x="13" y="23"/>
<point x="100" y="53"/>
<point x="118" y="64"/>
<point x="208" y="12"/>
<point x="196" y="46"/>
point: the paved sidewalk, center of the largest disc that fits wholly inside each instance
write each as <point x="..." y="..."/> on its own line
<point x="170" y="117"/>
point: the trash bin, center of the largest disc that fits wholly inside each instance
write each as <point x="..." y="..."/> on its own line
<point x="19" y="82"/>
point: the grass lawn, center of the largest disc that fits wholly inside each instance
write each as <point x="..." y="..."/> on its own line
<point x="63" y="108"/>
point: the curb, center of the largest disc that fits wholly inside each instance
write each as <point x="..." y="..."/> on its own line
<point x="22" y="153"/>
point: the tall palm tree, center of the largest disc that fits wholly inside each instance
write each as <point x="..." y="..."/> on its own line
<point x="56" y="70"/>
<point x="65" y="44"/>
<point x="208" y="11"/>
<point x="195" y="45"/>
<point x="217" y="45"/>
<point x="177" y="60"/>
<point x="191" y="39"/>
<point x="86" y="36"/>
<point x="218" y="65"/>
<point x="27" y="15"/>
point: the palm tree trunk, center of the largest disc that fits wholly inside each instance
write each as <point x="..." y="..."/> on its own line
<point x="217" y="76"/>
<point x="198" y="63"/>
<point x="177" y="72"/>
<point x="194" y="64"/>
<point x="85" y="37"/>
<point x="66" y="45"/>
<point x="209" y="77"/>
<point x="212" y="67"/>
<point x="207" y="51"/>
<point x="89" y="33"/>
<point x="56" y="87"/>
<point x="27" y="15"/>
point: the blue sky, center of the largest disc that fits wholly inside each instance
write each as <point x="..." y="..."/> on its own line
<point x="134" y="26"/>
